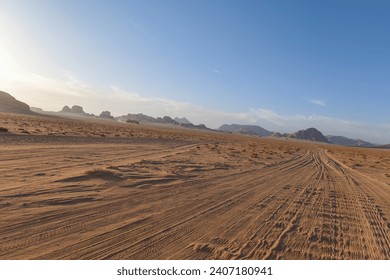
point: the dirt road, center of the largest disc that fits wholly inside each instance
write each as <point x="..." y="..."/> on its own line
<point x="255" y="200"/>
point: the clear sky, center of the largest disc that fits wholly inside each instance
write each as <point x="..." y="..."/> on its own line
<point x="284" y="65"/>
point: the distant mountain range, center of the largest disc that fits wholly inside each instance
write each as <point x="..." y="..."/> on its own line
<point x="141" y="118"/>
<point x="148" y="119"/>
<point x="384" y="146"/>
<point x="9" y="104"/>
<point x="344" y="141"/>
<point x="310" y="134"/>
<point x="245" y="129"/>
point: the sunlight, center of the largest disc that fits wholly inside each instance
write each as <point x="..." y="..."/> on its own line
<point x="9" y="44"/>
<point x="8" y="66"/>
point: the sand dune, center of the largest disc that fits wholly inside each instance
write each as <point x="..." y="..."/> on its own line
<point x="148" y="192"/>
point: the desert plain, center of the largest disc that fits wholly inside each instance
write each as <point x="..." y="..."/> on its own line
<point x="94" y="189"/>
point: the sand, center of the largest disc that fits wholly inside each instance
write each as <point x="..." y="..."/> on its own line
<point x="90" y="189"/>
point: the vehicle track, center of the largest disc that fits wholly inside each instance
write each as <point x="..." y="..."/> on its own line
<point x="303" y="206"/>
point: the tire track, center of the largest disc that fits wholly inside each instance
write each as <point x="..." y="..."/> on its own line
<point x="301" y="206"/>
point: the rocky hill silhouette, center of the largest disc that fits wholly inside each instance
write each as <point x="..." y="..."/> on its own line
<point x="76" y="109"/>
<point x="141" y="118"/>
<point x="387" y="146"/>
<point x="344" y="141"/>
<point x="9" y="104"/>
<point x="106" y="115"/>
<point x="311" y="134"/>
<point x="245" y="129"/>
<point x="182" y="120"/>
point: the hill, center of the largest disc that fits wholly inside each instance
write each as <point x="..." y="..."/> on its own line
<point x="9" y="104"/>
<point x="141" y="118"/>
<point x="182" y="120"/>
<point x="245" y="129"/>
<point x="311" y="134"/>
<point x="148" y="119"/>
<point x="106" y="115"/>
<point x="137" y="117"/>
<point x="344" y="141"/>
<point x="384" y="146"/>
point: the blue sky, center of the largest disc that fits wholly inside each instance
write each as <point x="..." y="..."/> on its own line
<point x="284" y="65"/>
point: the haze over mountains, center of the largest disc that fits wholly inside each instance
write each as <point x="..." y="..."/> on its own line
<point x="182" y="120"/>
<point x="245" y="129"/>
<point x="9" y="104"/>
<point x="344" y="141"/>
<point x="311" y="134"/>
<point x="141" y="118"/>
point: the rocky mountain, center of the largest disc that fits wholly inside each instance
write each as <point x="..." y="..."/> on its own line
<point x="196" y="126"/>
<point x="145" y="118"/>
<point x="344" y="141"/>
<point x="137" y="117"/>
<point x="66" y="109"/>
<point x="166" y="120"/>
<point x="141" y="118"/>
<point x="37" y="110"/>
<point x="245" y="129"/>
<point x="384" y="146"/>
<point x="277" y="134"/>
<point x="182" y="120"/>
<point x="76" y="109"/>
<point x="9" y="104"/>
<point x="311" y="134"/>
<point x="106" y="115"/>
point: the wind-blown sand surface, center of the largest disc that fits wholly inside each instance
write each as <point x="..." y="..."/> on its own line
<point x="104" y="190"/>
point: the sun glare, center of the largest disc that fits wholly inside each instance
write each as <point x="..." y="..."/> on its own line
<point x="8" y="51"/>
<point x="8" y="66"/>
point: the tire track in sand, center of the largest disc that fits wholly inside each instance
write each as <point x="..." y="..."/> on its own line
<point x="309" y="206"/>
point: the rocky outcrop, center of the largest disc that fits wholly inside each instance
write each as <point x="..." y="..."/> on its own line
<point x="310" y="134"/>
<point x="76" y="109"/>
<point x="9" y="104"/>
<point x="106" y="115"/>
<point x="182" y="120"/>
<point x="144" y="118"/>
<point x="245" y="129"/>
<point x="37" y="110"/>
<point x="166" y="120"/>
<point x="384" y="146"/>
<point x="344" y="141"/>
<point x="66" y="109"/>
<point x="199" y="126"/>
<point x="137" y="117"/>
<point x="141" y="118"/>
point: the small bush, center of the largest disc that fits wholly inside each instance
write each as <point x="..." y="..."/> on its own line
<point x="3" y="129"/>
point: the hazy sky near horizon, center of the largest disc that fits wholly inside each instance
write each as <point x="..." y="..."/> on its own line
<point x="284" y="65"/>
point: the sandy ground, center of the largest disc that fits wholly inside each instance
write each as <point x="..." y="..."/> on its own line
<point x="101" y="190"/>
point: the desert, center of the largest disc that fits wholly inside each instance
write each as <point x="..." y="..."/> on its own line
<point x="99" y="189"/>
